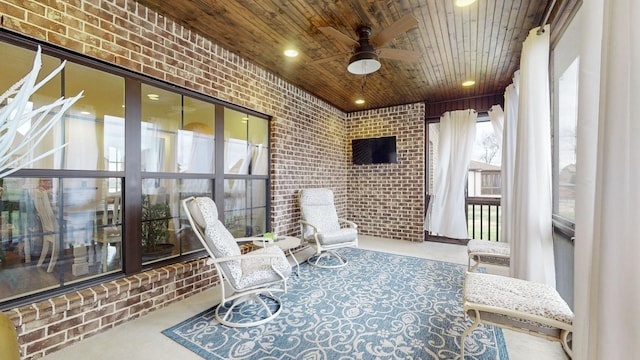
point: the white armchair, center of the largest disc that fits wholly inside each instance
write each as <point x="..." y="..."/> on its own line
<point x="253" y="276"/>
<point x="325" y="232"/>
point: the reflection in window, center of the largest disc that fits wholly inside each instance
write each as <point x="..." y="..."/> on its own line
<point x="161" y="118"/>
<point x="567" y="121"/>
<point x="95" y="123"/>
<point x="245" y="144"/>
<point x="165" y="230"/>
<point x="245" y="206"/>
<point x="73" y="223"/>
<point x="196" y="142"/>
<point x="56" y="232"/>
<point x="16" y="63"/>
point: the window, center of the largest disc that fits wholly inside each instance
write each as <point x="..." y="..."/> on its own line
<point x="246" y="169"/>
<point x="63" y="217"/>
<point x="491" y="183"/>
<point x="566" y="144"/>
<point x="566" y="67"/>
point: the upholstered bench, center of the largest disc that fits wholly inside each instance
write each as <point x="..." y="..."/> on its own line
<point x="518" y="305"/>
<point x="488" y="252"/>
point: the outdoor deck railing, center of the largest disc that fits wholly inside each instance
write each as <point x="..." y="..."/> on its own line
<point x="483" y="218"/>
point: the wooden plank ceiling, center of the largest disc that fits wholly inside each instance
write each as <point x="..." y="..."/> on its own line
<point x="481" y="42"/>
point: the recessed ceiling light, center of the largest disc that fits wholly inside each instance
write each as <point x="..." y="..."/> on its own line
<point x="153" y="97"/>
<point x="463" y="3"/>
<point x="291" y="53"/>
<point x="85" y="112"/>
<point x="468" y="83"/>
<point x="359" y="101"/>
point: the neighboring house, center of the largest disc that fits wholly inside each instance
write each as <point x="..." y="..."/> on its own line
<point x="484" y="180"/>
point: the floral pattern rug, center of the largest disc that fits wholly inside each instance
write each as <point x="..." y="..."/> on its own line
<point x="379" y="306"/>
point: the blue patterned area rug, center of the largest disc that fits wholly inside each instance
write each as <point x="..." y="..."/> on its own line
<point x="379" y="306"/>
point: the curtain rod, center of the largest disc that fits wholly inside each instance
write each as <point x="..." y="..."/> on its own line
<point x="546" y="16"/>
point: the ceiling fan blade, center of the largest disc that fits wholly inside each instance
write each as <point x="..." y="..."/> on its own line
<point x="327" y="59"/>
<point x="399" y="54"/>
<point x="337" y="35"/>
<point x="399" y="27"/>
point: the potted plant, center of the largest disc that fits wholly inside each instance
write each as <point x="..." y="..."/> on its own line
<point x="155" y="228"/>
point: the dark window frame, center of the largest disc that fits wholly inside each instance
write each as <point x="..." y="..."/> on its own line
<point x="132" y="175"/>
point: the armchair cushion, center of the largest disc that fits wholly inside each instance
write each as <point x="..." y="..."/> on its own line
<point x="197" y="214"/>
<point x="318" y="208"/>
<point x="337" y="236"/>
<point x="258" y="271"/>
<point x="215" y="232"/>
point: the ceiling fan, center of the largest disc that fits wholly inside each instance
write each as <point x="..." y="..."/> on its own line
<point x="366" y="51"/>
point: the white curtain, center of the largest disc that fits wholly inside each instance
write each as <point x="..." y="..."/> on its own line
<point x="496" y="115"/>
<point x="510" y="126"/>
<point x="532" y="242"/>
<point x="607" y="249"/>
<point x="447" y="214"/>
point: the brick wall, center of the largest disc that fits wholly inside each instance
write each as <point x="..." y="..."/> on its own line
<point x="52" y="324"/>
<point x="387" y="200"/>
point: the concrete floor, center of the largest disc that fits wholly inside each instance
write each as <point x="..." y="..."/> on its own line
<point x="141" y="338"/>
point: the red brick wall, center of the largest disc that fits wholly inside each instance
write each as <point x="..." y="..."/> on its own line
<point x="50" y="325"/>
<point x="387" y="200"/>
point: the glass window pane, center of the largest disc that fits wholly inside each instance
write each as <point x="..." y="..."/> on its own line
<point x="197" y="188"/>
<point x="245" y="207"/>
<point x="18" y="62"/>
<point x="165" y="229"/>
<point x="237" y="156"/>
<point x="110" y="223"/>
<point x="195" y="144"/>
<point x="94" y="127"/>
<point x="56" y="232"/>
<point x="567" y="122"/>
<point x="158" y="230"/>
<point x="259" y="145"/>
<point x="161" y="118"/>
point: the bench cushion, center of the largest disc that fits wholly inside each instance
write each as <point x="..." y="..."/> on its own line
<point x="491" y="252"/>
<point x="517" y="295"/>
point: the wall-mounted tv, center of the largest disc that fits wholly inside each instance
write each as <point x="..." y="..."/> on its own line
<point x="380" y="150"/>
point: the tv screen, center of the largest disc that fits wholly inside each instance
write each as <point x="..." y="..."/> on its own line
<point x="380" y="150"/>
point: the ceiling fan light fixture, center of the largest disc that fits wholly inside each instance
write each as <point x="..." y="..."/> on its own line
<point x="291" y="53"/>
<point x="363" y="63"/>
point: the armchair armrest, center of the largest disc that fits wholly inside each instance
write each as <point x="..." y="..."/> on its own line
<point x="244" y="257"/>
<point x="315" y="228"/>
<point x="270" y="256"/>
<point x="348" y="223"/>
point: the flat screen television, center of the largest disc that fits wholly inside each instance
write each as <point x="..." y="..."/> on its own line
<point x="380" y="150"/>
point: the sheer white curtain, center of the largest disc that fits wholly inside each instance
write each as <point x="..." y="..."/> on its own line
<point x="496" y="115"/>
<point x="447" y="214"/>
<point x="509" y="127"/>
<point x="532" y="241"/>
<point x="607" y="286"/>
